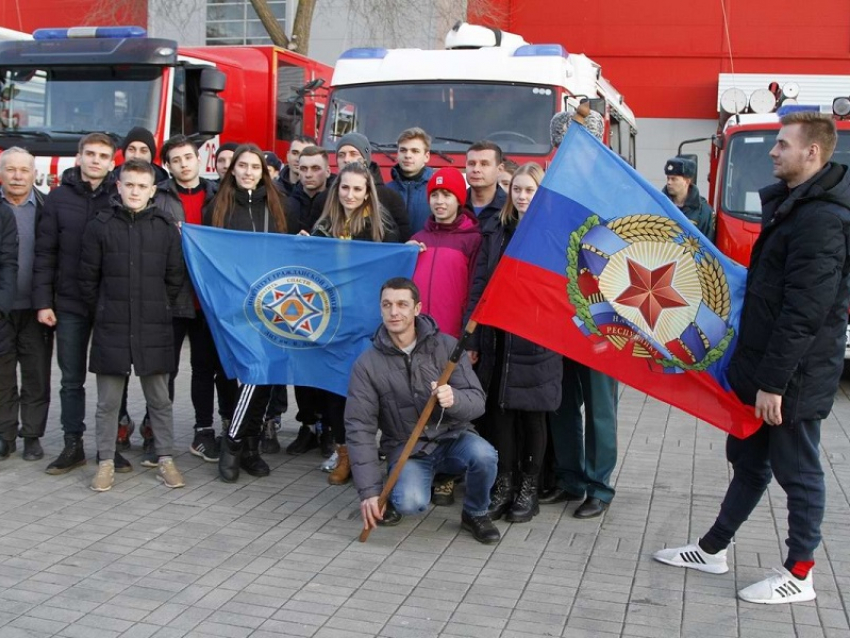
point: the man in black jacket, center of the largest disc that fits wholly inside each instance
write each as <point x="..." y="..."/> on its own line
<point x="84" y="192"/>
<point x="789" y="355"/>
<point x="389" y="387"/>
<point x="131" y="272"/>
<point x="24" y="341"/>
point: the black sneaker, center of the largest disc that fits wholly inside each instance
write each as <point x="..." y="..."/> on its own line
<point x="482" y="528"/>
<point x="204" y="445"/>
<point x="122" y="465"/>
<point x="304" y="442"/>
<point x="149" y="455"/>
<point x="72" y="455"/>
<point x="443" y="493"/>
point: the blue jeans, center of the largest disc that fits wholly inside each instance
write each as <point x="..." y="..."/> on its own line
<point x="72" y="343"/>
<point x="790" y="453"/>
<point x="468" y="454"/>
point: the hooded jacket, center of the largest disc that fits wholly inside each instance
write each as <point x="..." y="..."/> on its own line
<point x="388" y="391"/>
<point x="444" y="271"/>
<point x="414" y="192"/>
<point x="58" y="240"/>
<point x="167" y="199"/>
<point x="131" y="271"/>
<point x="696" y="209"/>
<point x="792" y="334"/>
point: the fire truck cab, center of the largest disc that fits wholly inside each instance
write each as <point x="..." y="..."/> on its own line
<point x="485" y="84"/>
<point x="65" y="83"/>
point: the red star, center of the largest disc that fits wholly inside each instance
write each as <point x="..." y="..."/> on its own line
<point x="651" y="291"/>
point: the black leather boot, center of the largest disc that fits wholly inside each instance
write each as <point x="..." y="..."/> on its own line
<point x="251" y="460"/>
<point x="501" y="496"/>
<point x="525" y="506"/>
<point x="228" y="459"/>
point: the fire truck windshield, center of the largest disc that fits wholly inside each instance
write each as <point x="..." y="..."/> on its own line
<point x="748" y="168"/>
<point x="74" y="100"/>
<point x="515" y="116"/>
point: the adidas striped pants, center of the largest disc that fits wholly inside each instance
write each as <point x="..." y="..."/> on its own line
<point x="250" y="411"/>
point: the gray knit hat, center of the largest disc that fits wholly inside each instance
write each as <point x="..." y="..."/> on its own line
<point x="358" y="141"/>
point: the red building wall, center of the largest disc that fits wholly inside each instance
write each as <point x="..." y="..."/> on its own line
<point x="28" y="15"/>
<point x="665" y="56"/>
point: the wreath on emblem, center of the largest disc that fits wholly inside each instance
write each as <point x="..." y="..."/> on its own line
<point x="641" y="279"/>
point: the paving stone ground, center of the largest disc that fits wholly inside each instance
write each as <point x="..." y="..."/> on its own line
<point x="275" y="557"/>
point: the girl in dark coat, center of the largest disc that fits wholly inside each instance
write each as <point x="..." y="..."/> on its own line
<point x="351" y="211"/>
<point x="247" y="200"/>
<point x="522" y="380"/>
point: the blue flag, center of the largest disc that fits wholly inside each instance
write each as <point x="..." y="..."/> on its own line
<point x="287" y="309"/>
<point x="607" y="271"/>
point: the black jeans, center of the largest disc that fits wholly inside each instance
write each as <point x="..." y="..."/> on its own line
<point x="25" y="342"/>
<point x="790" y="451"/>
<point x="519" y="437"/>
<point x="278" y="402"/>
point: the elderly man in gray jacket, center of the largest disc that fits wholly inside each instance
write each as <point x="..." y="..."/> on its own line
<point x="390" y="385"/>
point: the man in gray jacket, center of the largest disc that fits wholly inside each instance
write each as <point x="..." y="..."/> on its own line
<point x="390" y="385"/>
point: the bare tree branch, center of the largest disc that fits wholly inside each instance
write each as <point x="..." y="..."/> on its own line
<point x="272" y="26"/>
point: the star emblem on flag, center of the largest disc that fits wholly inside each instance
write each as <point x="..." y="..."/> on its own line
<point x="651" y="291"/>
<point x="293" y="308"/>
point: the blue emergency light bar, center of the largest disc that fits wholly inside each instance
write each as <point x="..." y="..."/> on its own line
<point x="541" y="50"/>
<point x="89" y="32"/>
<point x="796" y="108"/>
<point x="364" y="53"/>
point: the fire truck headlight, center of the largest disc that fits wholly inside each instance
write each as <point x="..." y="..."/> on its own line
<point x="762" y="101"/>
<point x="841" y="106"/>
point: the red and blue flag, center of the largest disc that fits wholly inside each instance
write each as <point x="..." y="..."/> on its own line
<point x="607" y="271"/>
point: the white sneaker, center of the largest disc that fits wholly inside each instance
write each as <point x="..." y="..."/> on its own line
<point x="693" y="557"/>
<point x="329" y="465"/>
<point x="781" y="587"/>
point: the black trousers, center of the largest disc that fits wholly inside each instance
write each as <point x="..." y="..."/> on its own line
<point x="26" y="343"/>
<point x="333" y="414"/>
<point x="519" y="437"/>
<point x="250" y="411"/>
<point x="308" y="401"/>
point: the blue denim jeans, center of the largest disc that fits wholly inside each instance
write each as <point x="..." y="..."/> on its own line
<point x="72" y="344"/>
<point x="790" y="453"/>
<point x="468" y="454"/>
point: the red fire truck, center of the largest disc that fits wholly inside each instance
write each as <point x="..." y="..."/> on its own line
<point x="750" y="106"/>
<point x="485" y="84"/>
<point x="65" y="83"/>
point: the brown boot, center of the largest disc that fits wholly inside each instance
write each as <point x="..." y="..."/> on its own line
<point x="342" y="473"/>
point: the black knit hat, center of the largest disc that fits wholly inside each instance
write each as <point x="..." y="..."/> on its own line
<point x="139" y="134"/>
<point x="228" y="146"/>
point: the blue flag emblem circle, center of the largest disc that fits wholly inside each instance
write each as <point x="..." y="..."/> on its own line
<point x="294" y="307"/>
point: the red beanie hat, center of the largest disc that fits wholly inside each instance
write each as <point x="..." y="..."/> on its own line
<point x="449" y="179"/>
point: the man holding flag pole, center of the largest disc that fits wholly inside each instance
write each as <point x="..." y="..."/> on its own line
<point x="608" y="272"/>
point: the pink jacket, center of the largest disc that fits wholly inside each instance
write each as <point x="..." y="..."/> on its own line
<point x="444" y="271"/>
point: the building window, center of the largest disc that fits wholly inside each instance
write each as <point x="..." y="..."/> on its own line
<point x="236" y="22"/>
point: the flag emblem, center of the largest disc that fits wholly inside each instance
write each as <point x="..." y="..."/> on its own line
<point x="294" y="307"/>
<point x="650" y="289"/>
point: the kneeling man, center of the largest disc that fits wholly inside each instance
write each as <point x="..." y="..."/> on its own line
<point x="390" y="385"/>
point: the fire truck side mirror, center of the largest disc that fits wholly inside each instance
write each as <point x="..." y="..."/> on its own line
<point x="210" y="104"/>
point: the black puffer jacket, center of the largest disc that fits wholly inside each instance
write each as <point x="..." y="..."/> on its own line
<point x="791" y="339"/>
<point x="251" y="214"/>
<point x="388" y="391"/>
<point x="167" y="199"/>
<point x="526" y="376"/>
<point x="58" y="240"/>
<point x="131" y="271"/>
